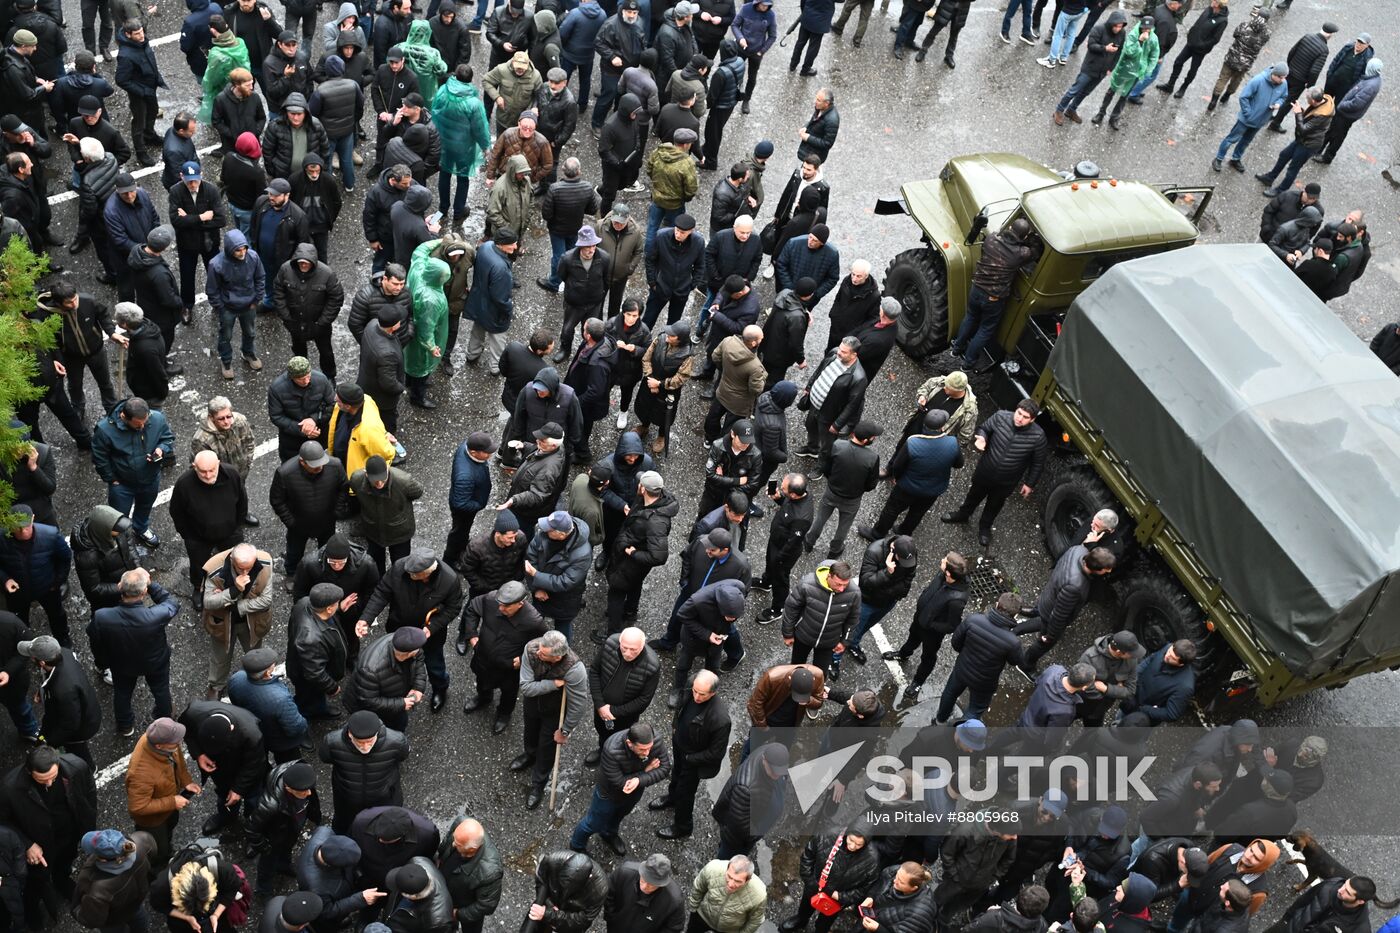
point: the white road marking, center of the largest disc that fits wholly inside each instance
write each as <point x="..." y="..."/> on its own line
<point x="139" y="173"/>
<point x="883" y="643"/>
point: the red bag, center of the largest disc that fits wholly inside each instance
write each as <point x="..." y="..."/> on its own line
<point x="821" y="902"/>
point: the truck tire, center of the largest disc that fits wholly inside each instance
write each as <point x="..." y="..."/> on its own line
<point x="1070" y="505"/>
<point x="1153" y="606"/>
<point x="917" y="280"/>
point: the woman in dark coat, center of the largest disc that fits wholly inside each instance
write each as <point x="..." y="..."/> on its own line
<point x="855" y="867"/>
<point x="633" y="339"/>
<point x="666" y="366"/>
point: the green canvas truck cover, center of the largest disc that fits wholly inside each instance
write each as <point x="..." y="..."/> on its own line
<point x="1266" y="429"/>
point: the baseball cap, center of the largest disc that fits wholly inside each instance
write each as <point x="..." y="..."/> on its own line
<point x="801" y="686"/>
<point x="395" y="54"/>
<point x="289" y="37"/>
<point x="905" y="554"/>
<point x="23" y="515"/>
<point x="1197" y="864"/>
<point x="126" y="183"/>
<point x="44" y="648"/>
<point x="1127" y="642"/>
<point x="1113" y="822"/>
<point x="298" y="366"/>
<point x="191" y="171"/>
<point x="1054" y="802"/>
<point x="106" y="844"/>
<point x="743" y="430"/>
<point x="313" y="454"/>
<point x="88" y="104"/>
<point x="719" y="538"/>
<point x="376" y="468"/>
<point x="279" y="186"/>
<point x="777" y="755"/>
<point x="551" y="430"/>
<point x="651" y="481"/>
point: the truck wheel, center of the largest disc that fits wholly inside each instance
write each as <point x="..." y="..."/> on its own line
<point x="1154" y="607"/>
<point x="916" y="279"/>
<point x="1070" y="505"/>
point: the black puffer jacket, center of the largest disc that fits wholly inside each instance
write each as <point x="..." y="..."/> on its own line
<point x="639" y="678"/>
<point x="501" y="640"/>
<point x="770" y="429"/>
<point x="741" y="470"/>
<point x="374" y="217"/>
<point x="1065" y="593"/>
<point x="307" y="302"/>
<point x="852" y="873"/>
<point x="359" y="575"/>
<point x="316" y="650"/>
<point x="486" y="566"/>
<point x="364" y="308"/>
<point x="1306" y="58"/>
<point x="536" y="485"/>
<point x="154" y="281"/>
<point x="572" y="888"/>
<point x="381" y="681"/>
<point x="100" y="558"/>
<point x="585" y="286"/>
<point x="985" y="644"/>
<point x="903" y="913"/>
<point x="878" y="586"/>
<point x="648" y="529"/>
<point x="1013" y="454"/>
<point x="367" y="780"/>
<point x="277" y="145"/>
<point x="274" y="805"/>
<point x="432" y="914"/>
<point x="307" y="501"/>
<point x="96" y="183"/>
<point x="475" y="883"/>
<point x="146" y="376"/>
<point x="818" y="616"/>
<point x="289" y="403"/>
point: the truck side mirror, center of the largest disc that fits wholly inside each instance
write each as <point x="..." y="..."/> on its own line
<point x="979" y="223"/>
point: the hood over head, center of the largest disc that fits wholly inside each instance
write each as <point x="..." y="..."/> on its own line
<point x="810" y="199"/>
<point x="418" y="138"/>
<point x="233" y="239"/>
<point x="628" y="105"/>
<point x="545" y="23"/>
<point x="1118" y="17"/>
<point x="295" y="99"/>
<point x="335" y="66"/>
<point x="517" y="164"/>
<point x="419" y="33"/>
<point x="418" y="199"/>
<point x="549" y="378"/>
<point x="1246" y="731"/>
<point x="307" y="252"/>
<point x="628" y="445"/>
<point x="247" y="145"/>
<point x="728" y="49"/>
<point x="102" y="521"/>
<point x="347" y="10"/>
<point x="194" y="6"/>
<point x="350" y="37"/>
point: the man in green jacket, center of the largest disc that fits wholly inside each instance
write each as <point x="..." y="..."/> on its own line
<point x="671" y="169"/>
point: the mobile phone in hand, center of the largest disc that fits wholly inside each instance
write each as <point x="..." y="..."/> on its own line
<point x="866" y="913"/>
<point x="186" y="793"/>
<point x="772" y="487"/>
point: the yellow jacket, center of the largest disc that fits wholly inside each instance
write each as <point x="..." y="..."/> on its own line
<point x="367" y="438"/>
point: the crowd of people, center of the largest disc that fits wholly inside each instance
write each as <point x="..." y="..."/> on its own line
<point x="375" y="610"/>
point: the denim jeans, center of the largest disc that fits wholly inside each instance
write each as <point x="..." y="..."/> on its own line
<point x="436" y="664"/>
<point x="603" y="817"/>
<point x="459" y="203"/>
<point x="1294" y="155"/>
<point x="136" y="500"/>
<point x="585" y="79"/>
<point x="979" y="324"/>
<point x="123" y="685"/>
<point x="247" y="318"/>
<point x="1066" y="28"/>
<point x="869" y="616"/>
<point x="559" y="245"/>
<point x="242" y="219"/>
<point x="1011" y="7"/>
<point x="22" y="715"/>
<point x="483" y="9"/>
<point x="1145" y="82"/>
<point x="607" y="93"/>
<point x="1240" y="137"/>
<point x="658" y="215"/>
<point x="344" y="147"/>
<point x="909" y="20"/>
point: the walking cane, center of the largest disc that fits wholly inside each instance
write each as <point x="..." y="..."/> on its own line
<point x="791" y="29"/>
<point x="121" y="364"/>
<point x="672" y="403"/>
<point x="558" y="747"/>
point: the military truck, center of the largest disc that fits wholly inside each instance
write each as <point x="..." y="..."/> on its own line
<point x="1248" y="440"/>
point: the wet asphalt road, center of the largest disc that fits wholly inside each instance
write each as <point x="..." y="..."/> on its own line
<point x="900" y="121"/>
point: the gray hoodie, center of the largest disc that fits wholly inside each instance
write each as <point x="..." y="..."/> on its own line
<point x="330" y="32"/>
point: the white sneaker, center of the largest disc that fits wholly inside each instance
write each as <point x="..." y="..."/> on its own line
<point x="1046" y="62"/>
<point x="635" y="187"/>
<point x="107" y="676"/>
<point x="621" y="420"/>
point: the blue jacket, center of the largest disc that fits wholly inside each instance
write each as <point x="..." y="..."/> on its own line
<point x="1259" y="97"/>
<point x="40" y="567"/>
<point x="230" y="283"/>
<point x="796" y="261"/>
<point x="119" y="452"/>
<point x="281" y="722"/>
<point x="195" y="40"/>
<point x="757" y="28"/>
<point x="579" y="30"/>
<point x="1162" y="692"/>
<point x="728" y="77"/>
<point x="130" y="638"/>
<point x="127" y="225"/>
<point x="1357" y="101"/>
<point x="471" y="482"/>
<point x="489" y="303"/>
<point x="1051" y="706"/>
<point x="137" y="71"/>
<point x="924" y="465"/>
<point x="175" y="151"/>
<point x="816" y="16"/>
<point x="67" y="90"/>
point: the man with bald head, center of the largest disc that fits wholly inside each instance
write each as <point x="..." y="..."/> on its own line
<point x="208" y="505"/>
<point x="623" y="679"/>
<point x="700" y="739"/>
<point x="471" y="866"/>
<point x="237" y="607"/>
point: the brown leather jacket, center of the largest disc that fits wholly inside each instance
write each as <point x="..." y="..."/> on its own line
<point x="152" y="783"/>
<point x="776" y="685"/>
